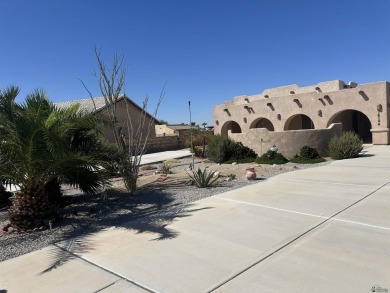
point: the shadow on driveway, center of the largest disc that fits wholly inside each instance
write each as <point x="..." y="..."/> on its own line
<point x="150" y="212"/>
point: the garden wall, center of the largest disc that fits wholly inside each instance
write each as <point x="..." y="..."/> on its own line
<point x="288" y="142"/>
<point x="179" y="141"/>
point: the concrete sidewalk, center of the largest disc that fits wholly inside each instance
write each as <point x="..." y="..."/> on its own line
<point x="323" y="229"/>
<point x="146" y="159"/>
<point x="163" y="156"/>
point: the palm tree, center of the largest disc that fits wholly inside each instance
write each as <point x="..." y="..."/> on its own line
<point x="42" y="147"/>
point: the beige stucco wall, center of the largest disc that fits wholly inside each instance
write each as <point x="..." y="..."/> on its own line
<point x="321" y="103"/>
<point x="288" y="142"/>
<point x="123" y="113"/>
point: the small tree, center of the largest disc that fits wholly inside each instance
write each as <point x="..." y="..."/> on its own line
<point x="130" y="140"/>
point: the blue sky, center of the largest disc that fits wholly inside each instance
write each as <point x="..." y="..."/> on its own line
<point x="208" y="51"/>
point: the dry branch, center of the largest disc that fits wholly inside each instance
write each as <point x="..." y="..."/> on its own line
<point x="133" y="143"/>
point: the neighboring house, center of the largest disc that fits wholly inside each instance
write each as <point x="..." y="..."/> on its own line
<point x="125" y="108"/>
<point x="173" y="129"/>
<point x="164" y="130"/>
<point x="292" y="116"/>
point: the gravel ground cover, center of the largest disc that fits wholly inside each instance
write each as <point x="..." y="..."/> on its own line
<point x="159" y="197"/>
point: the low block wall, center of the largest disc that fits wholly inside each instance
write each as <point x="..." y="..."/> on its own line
<point x="198" y="137"/>
<point x="161" y="144"/>
<point x="288" y="142"/>
<point x="179" y="141"/>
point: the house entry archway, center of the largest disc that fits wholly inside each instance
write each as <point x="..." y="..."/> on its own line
<point x="356" y="121"/>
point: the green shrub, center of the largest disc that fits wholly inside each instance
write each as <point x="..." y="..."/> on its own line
<point x="300" y="160"/>
<point x="307" y="152"/>
<point x="218" y="148"/>
<point x="307" y="155"/>
<point x="203" y="178"/>
<point x="237" y="151"/>
<point x="271" y="158"/>
<point x="200" y="140"/>
<point x="198" y="151"/>
<point x="223" y="149"/>
<point x="347" y="146"/>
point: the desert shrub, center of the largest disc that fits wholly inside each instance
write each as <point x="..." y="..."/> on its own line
<point x="271" y="158"/>
<point x="198" y="151"/>
<point x="346" y="146"/>
<point x="222" y="149"/>
<point x="307" y="155"/>
<point x="237" y="151"/>
<point x="307" y="152"/>
<point x="203" y="179"/>
<point x="300" y="160"/>
<point x="165" y="168"/>
<point x="200" y="140"/>
<point x="218" y="148"/>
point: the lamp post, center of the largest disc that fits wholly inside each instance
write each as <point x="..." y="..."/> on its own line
<point x="192" y="146"/>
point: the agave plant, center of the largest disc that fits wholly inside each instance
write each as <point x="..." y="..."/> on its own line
<point x="42" y="147"/>
<point x="203" y="179"/>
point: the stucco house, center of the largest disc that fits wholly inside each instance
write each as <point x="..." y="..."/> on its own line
<point x="173" y="129"/>
<point x="124" y="106"/>
<point x="293" y="116"/>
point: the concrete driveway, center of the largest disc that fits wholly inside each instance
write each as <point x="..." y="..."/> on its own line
<point x="323" y="229"/>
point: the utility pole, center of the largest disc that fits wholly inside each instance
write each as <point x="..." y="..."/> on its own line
<point x="192" y="146"/>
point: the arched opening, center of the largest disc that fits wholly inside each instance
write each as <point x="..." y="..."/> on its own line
<point x="355" y="121"/>
<point x="298" y="122"/>
<point x="262" y="123"/>
<point x="230" y="126"/>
